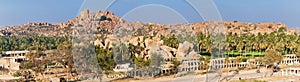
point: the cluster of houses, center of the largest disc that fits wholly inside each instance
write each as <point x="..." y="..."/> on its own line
<point x="12" y="59"/>
<point x="289" y="59"/>
<point x="219" y="63"/>
<point x="193" y="64"/>
<point x="290" y="72"/>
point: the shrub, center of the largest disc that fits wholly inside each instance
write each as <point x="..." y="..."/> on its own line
<point x="17" y="74"/>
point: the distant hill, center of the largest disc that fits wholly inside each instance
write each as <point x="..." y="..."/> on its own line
<point x="295" y="29"/>
<point x="107" y="22"/>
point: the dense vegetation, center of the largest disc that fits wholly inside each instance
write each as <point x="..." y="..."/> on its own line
<point x="57" y="58"/>
<point x="243" y="46"/>
<point x="105" y="58"/>
<point x="281" y="42"/>
<point x="235" y="46"/>
<point x="8" y="43"/>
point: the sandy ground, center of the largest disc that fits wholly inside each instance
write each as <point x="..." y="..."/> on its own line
<point x="281" y="79"/>
<point x="246" y="74"/>
<point x="8" y="77"/>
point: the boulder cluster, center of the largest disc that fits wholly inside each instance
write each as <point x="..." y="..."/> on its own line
<point x="107" y="22"/>
<point x="113" y="30"/>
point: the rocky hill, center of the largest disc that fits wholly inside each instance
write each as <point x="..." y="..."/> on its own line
<point x="106" y="22"/>
<point x="295" y="29"/>
<point x="98" y="19"/>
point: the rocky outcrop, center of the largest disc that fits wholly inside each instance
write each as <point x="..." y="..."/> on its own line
<point x="295" y="29"/>
<point x="186" y="49"/>
<point x="103" y="20"/>
<point x="251" y="28"/>
<point x="106" y="22"/>
<point x="114" y="31"/>
<point x="149" y="43"/>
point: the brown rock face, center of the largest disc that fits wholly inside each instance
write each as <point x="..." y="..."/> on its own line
<point x="101" y="20"/>
<point x="184" y="48"/>
<point x="106" y="22"/>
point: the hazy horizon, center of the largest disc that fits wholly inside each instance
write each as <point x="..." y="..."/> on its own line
<point x="256" y="11"/>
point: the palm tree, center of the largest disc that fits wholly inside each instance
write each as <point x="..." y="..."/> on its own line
<point x="201" y="41"/>
<point x="240" y="47"/>
<point x="280" y="45"/>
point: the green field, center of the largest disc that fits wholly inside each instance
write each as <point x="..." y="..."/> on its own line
<point x="235" y="54"/>
<point x="246" y="54"/>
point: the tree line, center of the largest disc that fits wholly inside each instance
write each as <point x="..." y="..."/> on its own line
<point x="8" y="43"/>
<point x="281" y="42"/>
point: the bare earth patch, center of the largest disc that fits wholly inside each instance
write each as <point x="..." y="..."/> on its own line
<point x="8" y="77"/>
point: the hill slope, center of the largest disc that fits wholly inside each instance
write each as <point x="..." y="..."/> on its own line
<point x="107" y="22"/>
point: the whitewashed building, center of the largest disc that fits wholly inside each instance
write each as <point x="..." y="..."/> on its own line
<point x="290" y="72"/>
<point x="219" y="63"/>
<point x="290" y="59"/>
<point x="12" y="59"/>
<point x="123" y="67"/>
<point x="189" y="63"/>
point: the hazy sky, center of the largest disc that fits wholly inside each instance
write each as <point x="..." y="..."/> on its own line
<point x="15" y="12"/>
